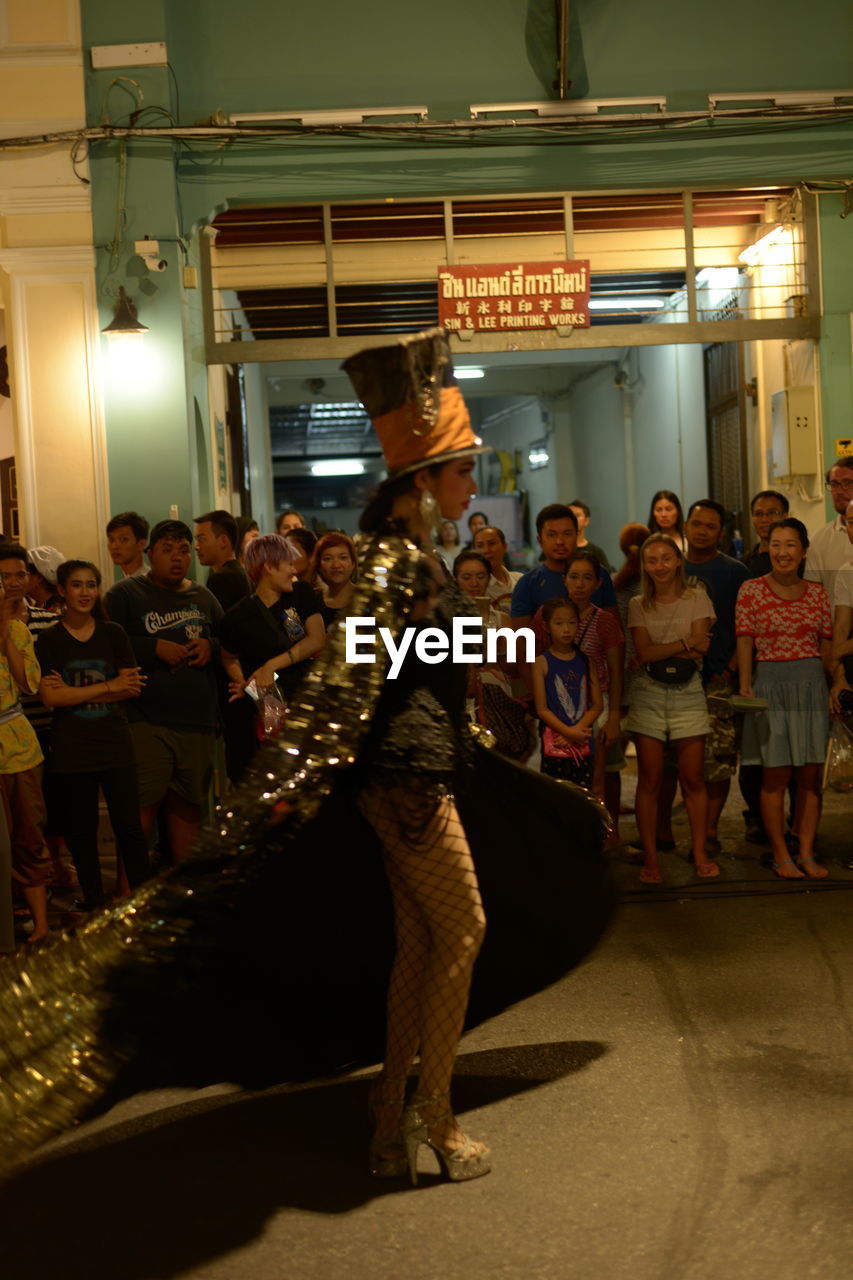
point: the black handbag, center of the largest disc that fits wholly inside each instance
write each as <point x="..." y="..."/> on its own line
<point x="673" y="670"/>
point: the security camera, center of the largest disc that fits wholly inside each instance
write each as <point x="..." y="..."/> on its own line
<point x="149" y="251"/>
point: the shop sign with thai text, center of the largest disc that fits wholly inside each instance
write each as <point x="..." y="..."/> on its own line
<point x="529" y="295"/>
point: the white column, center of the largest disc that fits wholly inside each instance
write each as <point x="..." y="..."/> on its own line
<point x="54" y="341"/>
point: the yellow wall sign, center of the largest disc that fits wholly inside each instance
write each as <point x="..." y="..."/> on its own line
<point x="844" y="447"/>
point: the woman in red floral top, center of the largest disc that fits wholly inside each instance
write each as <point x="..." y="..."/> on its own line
<point x="787" y="622"/>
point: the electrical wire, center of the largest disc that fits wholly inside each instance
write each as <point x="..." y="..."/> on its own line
<point x="116" y="245"/>
<point x="144" y="111"/>
<point x="582" y="131"/>
<point x="171" y="71"/>
<point x="79" y="155"/>
<point x="842" y="186"/>
<point x="196" y="147"/>
<point x="119" y="82"/>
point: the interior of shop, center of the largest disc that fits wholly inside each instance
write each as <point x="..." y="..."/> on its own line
<point x="609" y="413"/>
<point x="610" y="426"/>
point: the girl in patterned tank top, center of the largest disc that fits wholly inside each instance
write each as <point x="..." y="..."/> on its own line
<point x="568" y="698"/>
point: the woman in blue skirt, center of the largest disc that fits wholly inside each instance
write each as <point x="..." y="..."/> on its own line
<point x="786" y="623"/>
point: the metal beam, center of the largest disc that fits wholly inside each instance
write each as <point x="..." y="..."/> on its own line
<point x="207" y="311"/>
<point x="563" y="81"/>
<point x="449" y="241"/>
<point x="328" y="246"/>
<point x="811" y="237"/>
<point x="569" y="226"/>
<point x="689" y="256"/>
<point x="616" y="335"/>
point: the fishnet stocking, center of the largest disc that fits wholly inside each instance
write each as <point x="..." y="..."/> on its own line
<point x="439" y="923"/>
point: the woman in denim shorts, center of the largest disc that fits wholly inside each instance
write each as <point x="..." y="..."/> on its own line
<point x="670" y="625"/>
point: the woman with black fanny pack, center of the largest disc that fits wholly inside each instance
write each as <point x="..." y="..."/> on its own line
<point x="670" y="625"/>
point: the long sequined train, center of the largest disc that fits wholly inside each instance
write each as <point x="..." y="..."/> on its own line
<point x="265" y="956"/>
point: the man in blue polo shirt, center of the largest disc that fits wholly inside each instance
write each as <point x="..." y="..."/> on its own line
<point x="723" y="578"/>
<point x="557" y="535"/>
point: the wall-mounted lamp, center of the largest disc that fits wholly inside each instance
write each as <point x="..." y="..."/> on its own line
<point x="771" y="247"/>
<point x="537" y="454"/>
<point x="124" y="323"/>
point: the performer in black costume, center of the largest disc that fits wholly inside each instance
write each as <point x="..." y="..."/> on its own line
<point x="266" y="955"/>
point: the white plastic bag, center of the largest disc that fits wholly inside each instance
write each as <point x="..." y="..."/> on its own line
<point x="272" y="709"/>
<point x="838" y="766"/>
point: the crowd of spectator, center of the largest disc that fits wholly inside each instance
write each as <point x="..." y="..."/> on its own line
<point x="715" y="667"/>
<point x="128" y="695"/>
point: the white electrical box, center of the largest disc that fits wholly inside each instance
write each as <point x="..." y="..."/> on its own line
<point x="151" y="54"/>
<point x="794" y="415"/>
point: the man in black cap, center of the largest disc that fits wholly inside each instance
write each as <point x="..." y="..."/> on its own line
<point x="172" y="624"/>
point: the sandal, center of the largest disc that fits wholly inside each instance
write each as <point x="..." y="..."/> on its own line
<point x="820" y="873"/>
<point x="650" y="875"/>
<point x="776" y="868"/>
<point x="712" y="846"/>
<point x="458" y="1164"/>
<point x="707" y="870"/>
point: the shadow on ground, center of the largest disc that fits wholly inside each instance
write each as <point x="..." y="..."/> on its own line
<point x="165" y="1192"/>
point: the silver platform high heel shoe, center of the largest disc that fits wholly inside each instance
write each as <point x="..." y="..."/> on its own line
<point x="459" y="1164"/>
<point x="384" y="1166"/>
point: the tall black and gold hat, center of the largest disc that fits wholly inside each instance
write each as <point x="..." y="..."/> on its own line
<point x="409" y="390"/>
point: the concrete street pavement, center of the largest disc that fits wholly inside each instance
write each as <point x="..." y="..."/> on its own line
<point x="679" y="1108"/>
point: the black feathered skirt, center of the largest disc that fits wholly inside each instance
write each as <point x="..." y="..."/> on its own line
<point x="297" y="988"/>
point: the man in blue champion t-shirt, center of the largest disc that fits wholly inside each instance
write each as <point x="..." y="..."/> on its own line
<point x="557" y="535"/>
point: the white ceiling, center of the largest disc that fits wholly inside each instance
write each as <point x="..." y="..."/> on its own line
<point x="507" y="373"/>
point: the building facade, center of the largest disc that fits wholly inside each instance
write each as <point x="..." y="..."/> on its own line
<point x="678" y="147"/>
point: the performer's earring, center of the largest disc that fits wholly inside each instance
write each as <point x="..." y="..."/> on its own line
<point x="429" y="509"/>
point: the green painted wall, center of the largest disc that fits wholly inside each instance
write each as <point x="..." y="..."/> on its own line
<point x="269" y="54"/>
<point x="156" y="457"/>
<point x="150" y="454"/>
<point x="447" y="56"/>
<point x="275" y="55"/>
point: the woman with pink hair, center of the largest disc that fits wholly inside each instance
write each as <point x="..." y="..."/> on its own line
<point x="269" y="638"/>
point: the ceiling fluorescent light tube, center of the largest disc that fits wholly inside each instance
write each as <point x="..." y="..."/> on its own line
<point x="626" y="304"/>
<point x="338" y="467"/>
<point x="332" y="115"/>
<point x="468" y="371"/>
